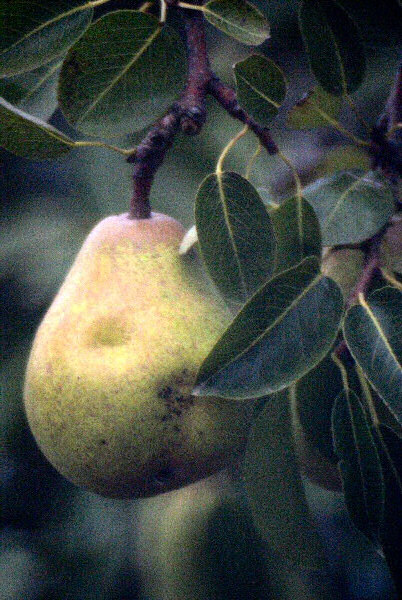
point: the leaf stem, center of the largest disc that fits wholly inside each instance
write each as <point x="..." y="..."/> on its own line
<point x="391" y="279"/>
<point x="163" y="12"/>
<point x="252" y="160"/>
<point x="339" y="127"/>
<point x="367" y="396"/>
<point x="189" y="6"/>
<point x="145" y="7"/>
<point x="123" y="151"/>
<point x="342" y="368"/>
<point x="228" y="147"/>
<point x="298" y="184"/>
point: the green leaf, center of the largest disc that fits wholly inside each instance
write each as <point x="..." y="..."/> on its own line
<point x="33" y="33"/>
<point x="359" y="464"/>
<point x="261" y="87"/>
<point x="315" y="395"/>
<point x="351" y="206"/>
<point x="373" y="334"/>
<point x="297" y="232"/>
<point x="238" y="19"/>
<point x="275" y="489"/>
<point x="35" y="91"/>
<point x="333" y="46"/>
<point x="28" y="136"/>
<point x="316" y="109"/>
<point x="281" y="333"/>
<point x="235" y="234"/>
<point x="343" y="158"/>
<point x="122" y="74"/>
<point x="389" y="446"/>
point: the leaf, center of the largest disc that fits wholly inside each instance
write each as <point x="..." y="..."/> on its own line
<point x="281" y="333"/>
<point x="343" y="158"/>
<point x="389" y="446"/>
<point x="333" y="45"/>
<point x="235" y="234"/>
<point x="316" y="109"/>
<point x="275" y="489"/>
<point x="315" y="395"/>
<point x="34" y="33"/>
<point x="373" y="334"/>
<point x="359" y="464"/>
<point x="122" y="74"/>
<point x="380" y="23"/>
<point x="238" y="19"/>
<point x="28" y="136"/>
<point x="297" y="232"/>
<point x="261" y="87"/>
<point x="351" y="206"/>
<point x="35" y="91"/>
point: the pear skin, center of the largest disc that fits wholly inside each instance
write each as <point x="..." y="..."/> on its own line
<point x="109" y="378"/>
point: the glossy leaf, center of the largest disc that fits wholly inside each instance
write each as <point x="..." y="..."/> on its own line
<point x="351" y="206"/>
<point x="275" y="489"/>
<point x="235" y="234"/>
<point x="316" y="109"/>
<point x="279" y="335"/>
<point x="297" y="232"/>
<point x="359" y="464"/>
<point x="122" y="74"/>
<point x="389" y="446"/>
<point x="374" y="336"/>
<point x="35" y="91"/>
<point x="28" y="136"/>
<point x="261" y="87"/>
<point x="333" y="46"/>
<point x="34" y="33"/>
<point x="238" y="19"/>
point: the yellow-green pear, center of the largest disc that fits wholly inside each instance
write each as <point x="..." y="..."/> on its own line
<point x="109" y="378"/>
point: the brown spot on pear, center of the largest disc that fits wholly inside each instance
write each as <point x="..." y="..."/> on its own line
<point x="109" y="379"/>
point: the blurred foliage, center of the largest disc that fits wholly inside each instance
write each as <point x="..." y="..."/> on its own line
<point x="58" y="543"/>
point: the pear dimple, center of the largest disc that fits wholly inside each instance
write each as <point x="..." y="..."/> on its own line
<point x="108" y="331"/>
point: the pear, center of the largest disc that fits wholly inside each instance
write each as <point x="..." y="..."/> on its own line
<point x="110" y="374"/>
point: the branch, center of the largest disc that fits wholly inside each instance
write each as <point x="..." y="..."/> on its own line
<point x="226" y="97"/>
<point x="188" y="114"/>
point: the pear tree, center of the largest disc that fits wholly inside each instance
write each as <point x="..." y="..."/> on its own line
<point x="265" y="339"/>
